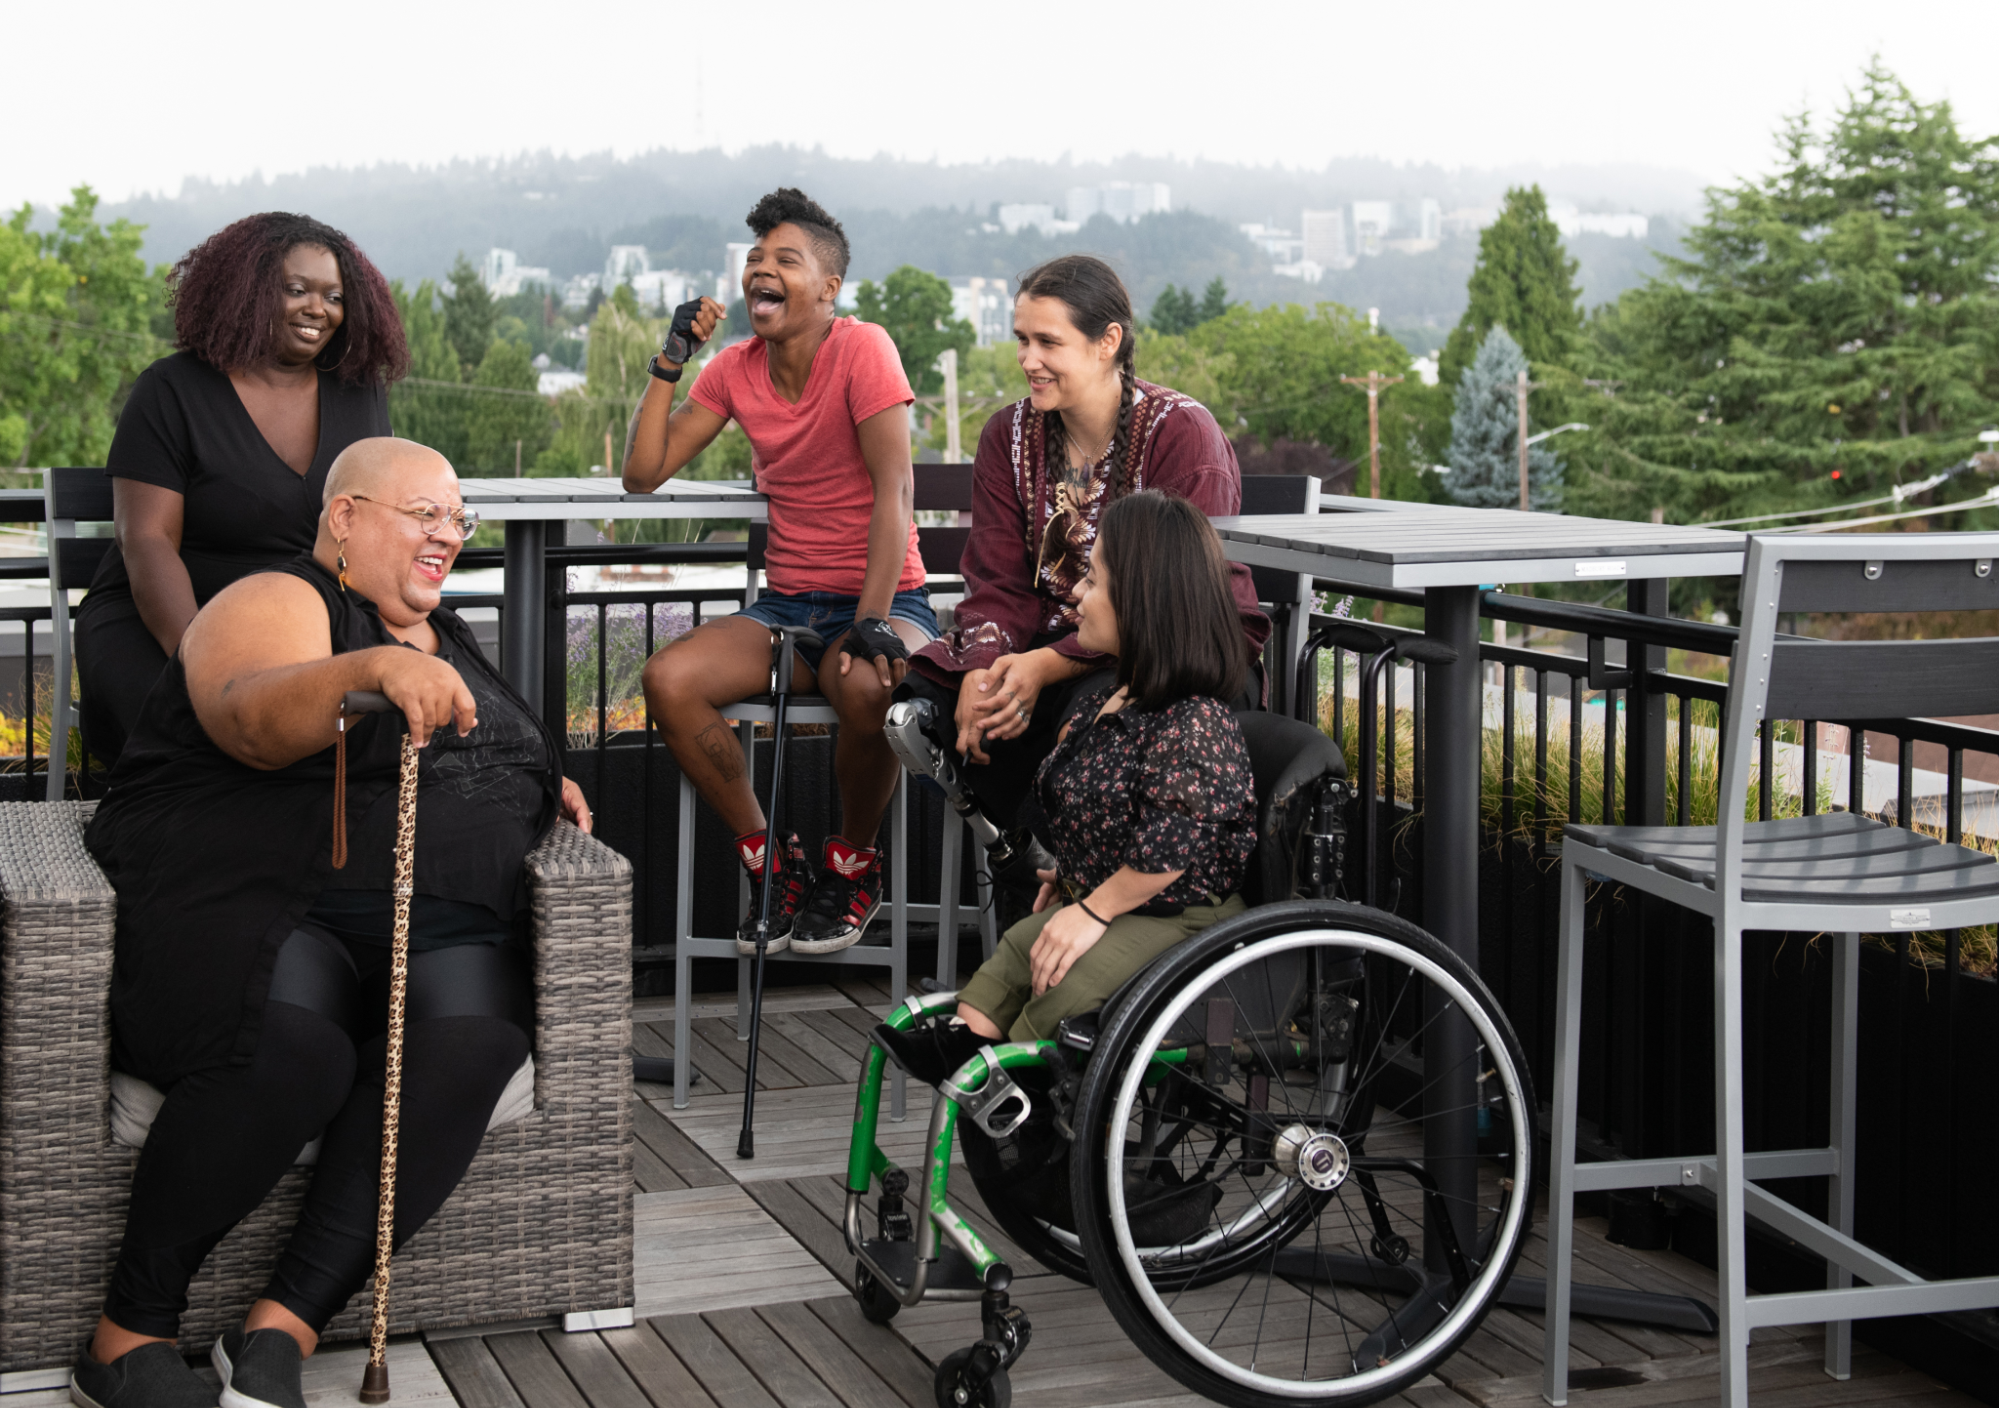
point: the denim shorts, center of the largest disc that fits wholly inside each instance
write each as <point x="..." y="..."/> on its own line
<point x="831" y="614"/>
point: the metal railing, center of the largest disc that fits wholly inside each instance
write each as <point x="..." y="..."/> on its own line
<point x="1929" y="1021"/>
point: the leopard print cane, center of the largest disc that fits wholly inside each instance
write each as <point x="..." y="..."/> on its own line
<point x="375" y="1380"/>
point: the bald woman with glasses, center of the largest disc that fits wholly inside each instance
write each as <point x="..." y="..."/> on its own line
<point x="251" y="973"/>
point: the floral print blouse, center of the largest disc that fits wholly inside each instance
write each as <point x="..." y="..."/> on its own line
<point x="1165" y="790"/>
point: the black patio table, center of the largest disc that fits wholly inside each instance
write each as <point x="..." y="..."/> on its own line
<point x="1449" y="554"/>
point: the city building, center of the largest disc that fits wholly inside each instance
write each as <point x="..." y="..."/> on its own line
<point x="1324" y="241"/>
<point x="1120" y="200"/>
<point x="576" y="293"/>
<point x="1308" y="271"/>
<point x="623" y="262"/>
<point x="1017" y="217"/>
<point x="1572" y="222"/>
<point x="504" y="275"/>
<point x="987" y="304"/>
<point x="1282" y="246"/>
<point x="1469" y="220"/>
<point x="663" y="289"/>
<point x="731" y="285"/>
<point x="1373" y="223"/>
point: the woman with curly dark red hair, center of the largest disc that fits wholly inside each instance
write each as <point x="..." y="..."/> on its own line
<point x="288" y="339"/>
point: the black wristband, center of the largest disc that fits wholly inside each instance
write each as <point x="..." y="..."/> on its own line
<point x="673" y="376"/>
<point x="878" y="640"/>
<point x="1084" y="907"/>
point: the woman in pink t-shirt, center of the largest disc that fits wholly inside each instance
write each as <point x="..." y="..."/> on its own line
<point x="825" y="404"/>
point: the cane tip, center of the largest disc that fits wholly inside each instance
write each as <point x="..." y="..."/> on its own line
<point x="375" y="1385"/>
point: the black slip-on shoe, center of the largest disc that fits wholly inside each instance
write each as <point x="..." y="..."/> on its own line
<point x="931" y="1051"/>
<point x="154" y="1374"/>
<point x="259" y="1368"/>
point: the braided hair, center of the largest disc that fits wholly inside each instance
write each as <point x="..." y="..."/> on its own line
<point x="1096" y="298"/>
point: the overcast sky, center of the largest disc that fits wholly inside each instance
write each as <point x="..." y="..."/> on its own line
<point x="133" y="97"/>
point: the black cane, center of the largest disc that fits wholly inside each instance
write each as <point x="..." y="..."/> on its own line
<point x="782" y="640"/>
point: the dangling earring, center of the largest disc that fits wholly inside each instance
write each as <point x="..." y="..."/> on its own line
<point x="340" y="558"/>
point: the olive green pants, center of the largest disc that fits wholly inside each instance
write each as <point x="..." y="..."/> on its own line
<point x="1003" y="988"/>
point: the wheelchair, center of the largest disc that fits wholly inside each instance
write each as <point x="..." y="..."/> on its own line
<point x="1237" y="1149"/>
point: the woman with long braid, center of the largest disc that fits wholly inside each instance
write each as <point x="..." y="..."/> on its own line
<point x="1089" y="432"/>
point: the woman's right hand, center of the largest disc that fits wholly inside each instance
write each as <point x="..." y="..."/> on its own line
<point x="1047" y="892"/>
<point x="428" y="691"/>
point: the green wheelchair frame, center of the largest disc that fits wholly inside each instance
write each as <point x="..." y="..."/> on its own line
<point x="897" y="1270"/>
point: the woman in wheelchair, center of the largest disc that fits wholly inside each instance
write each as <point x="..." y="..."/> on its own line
<point x="1146" y="803"/>
<point x="1239" y="1107"/>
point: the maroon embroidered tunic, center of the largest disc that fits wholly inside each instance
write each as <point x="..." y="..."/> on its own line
<point x="1167" y="790"/>
<point x="1022" y="565"/>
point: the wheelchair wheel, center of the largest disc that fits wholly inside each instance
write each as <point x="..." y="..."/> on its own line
<point x="1272" y="1137"/>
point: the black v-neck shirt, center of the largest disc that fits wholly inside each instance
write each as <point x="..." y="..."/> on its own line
<point x="184" y="428"/>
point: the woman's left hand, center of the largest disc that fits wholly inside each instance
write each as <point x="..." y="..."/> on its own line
<point x="574" y="808"/>
<point x="1063" y="940"/>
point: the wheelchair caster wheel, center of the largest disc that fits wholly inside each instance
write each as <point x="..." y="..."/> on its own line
<point x="1393" y="1250"/>
<point x="876" y="1304"/>
<point x="954" y="1387"/>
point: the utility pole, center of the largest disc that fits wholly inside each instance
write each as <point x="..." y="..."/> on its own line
<point x="1374" y="382"/>
<point x="1521" y="387"/>
<point x="954" y="446"/>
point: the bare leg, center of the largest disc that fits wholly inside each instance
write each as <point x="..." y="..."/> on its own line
<point x="113" y="1340"/>
<point x="270" y="1315"/>
<point x="862" y="760"/>
<point x="687" y="682"/>
<point x="979" y="1022"/>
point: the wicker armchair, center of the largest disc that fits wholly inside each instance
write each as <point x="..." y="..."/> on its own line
<point x="541" y="1225"/>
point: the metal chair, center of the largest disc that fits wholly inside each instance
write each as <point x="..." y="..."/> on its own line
<point x="70" y="496"/>
<point x="1840" y="874"/>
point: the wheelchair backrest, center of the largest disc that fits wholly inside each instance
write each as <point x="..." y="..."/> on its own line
<point x="1290" y="760"/>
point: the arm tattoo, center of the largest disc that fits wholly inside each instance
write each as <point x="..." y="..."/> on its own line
<point x="718" y="742"/>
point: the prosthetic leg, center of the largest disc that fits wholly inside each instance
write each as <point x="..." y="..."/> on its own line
<point x="1012" y="858"/>
<point x="782" y="657"/>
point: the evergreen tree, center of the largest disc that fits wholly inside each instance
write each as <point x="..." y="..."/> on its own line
<point x="1173" y="312"/>
<point x="1525" y="280"/>
<point x="1829" y="333"/>
<point x="468" y="316"/>
<point x="1214" y="301"/>
<point x="1485" y="435"/>
<point x="914" y="305"/>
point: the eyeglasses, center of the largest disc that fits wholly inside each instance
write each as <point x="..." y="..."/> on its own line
<point x="433" y="517"/>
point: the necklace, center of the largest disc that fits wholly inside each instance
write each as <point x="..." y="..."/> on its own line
<point x="1091" y="459"/>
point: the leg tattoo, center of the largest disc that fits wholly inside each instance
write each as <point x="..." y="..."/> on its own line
<point x="718" y="742"/>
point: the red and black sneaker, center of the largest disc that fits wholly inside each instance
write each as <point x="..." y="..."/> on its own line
<point x="844" y="899"/>
<point x="794" y="881"/>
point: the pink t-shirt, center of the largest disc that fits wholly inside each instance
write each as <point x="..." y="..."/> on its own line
<point x="808" y="457"/>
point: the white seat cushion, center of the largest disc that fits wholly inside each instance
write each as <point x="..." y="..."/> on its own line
<point x="135" y="1104"/>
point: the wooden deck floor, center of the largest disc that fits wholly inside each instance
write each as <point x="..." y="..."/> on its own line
<point x="743" y="1278"/>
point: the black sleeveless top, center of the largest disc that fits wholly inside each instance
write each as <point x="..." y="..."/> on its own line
<point x="215" y="862"/>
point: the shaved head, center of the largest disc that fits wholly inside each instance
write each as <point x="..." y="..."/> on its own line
<point x="379" y="467"/>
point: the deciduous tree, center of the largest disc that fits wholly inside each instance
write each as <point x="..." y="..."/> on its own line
<point x="76" y="308"/>
<point x="914" y="305"/>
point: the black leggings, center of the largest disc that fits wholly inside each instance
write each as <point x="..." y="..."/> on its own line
<point x="227" y="1135"/>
